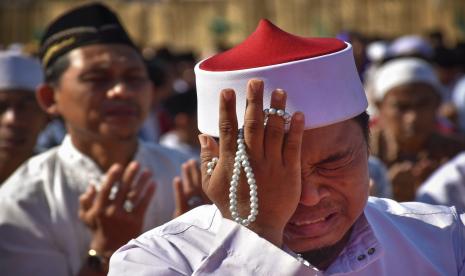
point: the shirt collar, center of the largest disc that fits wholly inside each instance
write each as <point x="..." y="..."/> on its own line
<point x="362" y="249"/>
<point x="81" y="167"/>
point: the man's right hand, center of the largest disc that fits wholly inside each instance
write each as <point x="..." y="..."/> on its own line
<point x="273" y="155"/>
<point x="112" y="221"/>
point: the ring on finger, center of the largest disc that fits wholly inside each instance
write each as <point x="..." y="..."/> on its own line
<point x="211" y="165"/>
<point x="128" y="206"/>
<point x="278" y="112"/>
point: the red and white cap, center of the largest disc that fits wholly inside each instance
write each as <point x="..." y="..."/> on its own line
<point x="318" y="74"/>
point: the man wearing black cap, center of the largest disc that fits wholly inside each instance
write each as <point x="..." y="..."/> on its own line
<point x="60" y="214"/>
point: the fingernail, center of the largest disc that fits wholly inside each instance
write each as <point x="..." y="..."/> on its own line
<point x="227" y="94"/>
<point x="256" y="84"/>
<point x="278" y="94"/>
<point x="203" y="140"/>
<point x="299" y="116"/>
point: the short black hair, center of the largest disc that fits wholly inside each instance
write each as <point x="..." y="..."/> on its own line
<point x="363" y="120"/>
<point x="55" y="70"/>
<point x="182" y="103"/>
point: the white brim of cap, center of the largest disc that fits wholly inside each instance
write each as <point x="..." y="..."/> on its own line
<point x="327" y="89"/>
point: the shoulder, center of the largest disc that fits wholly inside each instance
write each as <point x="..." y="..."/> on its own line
<point x="411" y="213"/>
<point x="200" y="219"/>
<point x="162" y="152"/>
<point x="28" y="178"/>
<point x="450" y="173"/>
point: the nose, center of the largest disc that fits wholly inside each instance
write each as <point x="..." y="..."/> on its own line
<point x="312" y="193"/>
<point x="9" y="116"/>
<point x="120" y="90"/>
<point x="410" y="117"/>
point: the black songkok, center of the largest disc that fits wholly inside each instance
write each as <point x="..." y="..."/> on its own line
<point x="87" y="24"/>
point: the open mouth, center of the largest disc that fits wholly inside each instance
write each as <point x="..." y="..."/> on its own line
<point x="310" y="227"/>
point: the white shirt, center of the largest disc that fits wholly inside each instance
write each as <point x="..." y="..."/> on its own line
<point x="388" y="239"/>
<point x="40" y="232"/>
<point x="446" y="186"/>
<point x="171" y="140"/>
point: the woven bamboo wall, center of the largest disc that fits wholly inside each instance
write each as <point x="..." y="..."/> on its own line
<point x="187" y="24"/>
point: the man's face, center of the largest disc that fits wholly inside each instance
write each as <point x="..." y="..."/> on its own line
<point x="105" y="93"/>
<point x="21" y="120"/>
<point x="334" y="186"/>
<point x="409" y="111"/>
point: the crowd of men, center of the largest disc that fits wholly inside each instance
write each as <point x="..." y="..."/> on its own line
<point x="99" y="143"/>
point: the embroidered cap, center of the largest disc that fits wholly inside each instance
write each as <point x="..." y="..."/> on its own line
<point x="318" y="74"/>
<point x="92" y="23"/>
<point x="19" y="72"/>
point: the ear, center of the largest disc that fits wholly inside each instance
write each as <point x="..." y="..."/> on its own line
<point x="45" y="95"/>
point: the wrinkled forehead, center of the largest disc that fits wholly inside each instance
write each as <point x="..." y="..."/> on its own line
<point x="105" y="55"/>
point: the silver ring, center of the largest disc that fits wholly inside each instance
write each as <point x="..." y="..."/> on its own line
<point x="194" y="201"/>
<point x="128" y="206"/>
<point x="211" y="165"/>
<point x="278" y="112"/>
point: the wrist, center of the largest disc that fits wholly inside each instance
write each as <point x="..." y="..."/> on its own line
<point x="98" y="261"/>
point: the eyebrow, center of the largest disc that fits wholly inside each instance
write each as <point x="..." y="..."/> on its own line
<point x="336" y="156"/>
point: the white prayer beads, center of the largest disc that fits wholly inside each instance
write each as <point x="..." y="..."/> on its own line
<point x="242" y="160"/>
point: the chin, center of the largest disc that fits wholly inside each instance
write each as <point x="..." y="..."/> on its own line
<point x="309" y="244"/>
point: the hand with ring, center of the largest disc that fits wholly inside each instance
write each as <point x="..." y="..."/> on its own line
<point x="272" y="154"/>
<point x="188" y="192"/>
<point x="114" y="220"/>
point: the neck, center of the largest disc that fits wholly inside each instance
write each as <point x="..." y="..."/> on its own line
<point x="106" y="152"/>
<point x="322" y="258"/>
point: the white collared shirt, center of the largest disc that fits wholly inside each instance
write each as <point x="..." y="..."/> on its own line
<point x="40" y="232"/>
<point x="388" y="239"/>
<point x="446" y="186"/>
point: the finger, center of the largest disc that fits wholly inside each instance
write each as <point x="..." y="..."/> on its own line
<point x="128" y="177"/>
<point x="137" y="190"/>
<point x="186" y="177"/>
<point x="228" y="125"/>
<point x="112" y="177"/>
<point x="293" y="140"/>
<point x="87" y="198"/>
<point x="253" y="120"/>
<point x="274" y="130"/>
<point x="179" y="197"/>
<point x="141" y="207"/>
<point x="208" y="149"/>
<point x="194" y="173"/>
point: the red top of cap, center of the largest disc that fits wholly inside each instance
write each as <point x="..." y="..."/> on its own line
<point x="269" y="45"/>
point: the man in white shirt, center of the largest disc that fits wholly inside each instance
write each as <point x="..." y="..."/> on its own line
<point x="21" y="118"/>
<point x="67" y="210"/>
<point x="306" y="209"/>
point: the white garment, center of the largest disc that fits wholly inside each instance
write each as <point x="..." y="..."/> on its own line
<point x="40" y="231"/>
<point x="446" y="186"/>
<point x="171" y="140"/>
<point x="388" y="239"/>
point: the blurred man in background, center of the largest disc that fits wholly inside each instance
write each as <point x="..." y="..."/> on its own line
<point x="65" y="211"/>
<point x="406" y="138"/>
<point x="182" y="108"/>
<point x="21" y="118"/>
